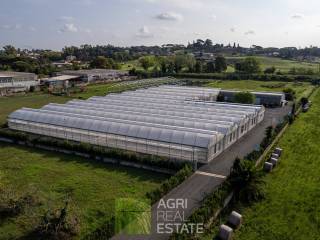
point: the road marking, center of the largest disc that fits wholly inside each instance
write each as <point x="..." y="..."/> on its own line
<point x="211" y="175"/>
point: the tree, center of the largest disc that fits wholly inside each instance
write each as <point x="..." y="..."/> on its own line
<point x="9" y="50"/>
<point x="270" y="70"/>
<point x="248" y="65"/>
<point x="244" y="97"/>
<point x="163" y="62"/>
<point x="210" y="67"/>
<point x="99" y="62"/>
<point x="220" y="64"/>
<point x="198" y="67"/>
<point x="103" y="62"/>
<point x="146" y="62"/>
<point x="22" y="66"/>
<point x="304" y="101"/>
<point x="247" y="181"/>
<point x="289" y="94"/>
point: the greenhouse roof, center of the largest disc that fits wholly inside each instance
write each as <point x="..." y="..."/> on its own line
<point x="163" y="113"/>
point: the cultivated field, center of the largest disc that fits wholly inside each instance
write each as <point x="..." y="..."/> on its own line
<point x="281" y="64"/>
<point x="291" y="208"/>
<point x="52" y="178"/>
<point x="302" y="89"/>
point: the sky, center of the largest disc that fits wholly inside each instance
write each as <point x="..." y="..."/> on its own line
<point x="53" y="24"/>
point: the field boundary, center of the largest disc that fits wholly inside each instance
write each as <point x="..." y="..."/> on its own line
<point x="88" y="156"/>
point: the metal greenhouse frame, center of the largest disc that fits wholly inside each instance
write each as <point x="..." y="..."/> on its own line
<point x="177" y="122"/>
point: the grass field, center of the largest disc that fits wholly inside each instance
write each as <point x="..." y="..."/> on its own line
<point x="302" y="89"/>
<point x="52" y="177"/>
<point x="37" y="100"/>
<point x="281" y="64"/>
<point x="291" y="209"/>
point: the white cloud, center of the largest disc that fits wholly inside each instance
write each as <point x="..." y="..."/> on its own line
<point x="32" y="29"/>
<point x="169" y="16"/>
<point x="297" y="16"/>
<point x="65" y="19"/>
<point x="68" y="27"/>
<point x="213" y="16"/>
<point x="250" y="32"/>
<point x="16" y="26"/>
<point x="144" y="32"/>
<point x="187" y="4"/>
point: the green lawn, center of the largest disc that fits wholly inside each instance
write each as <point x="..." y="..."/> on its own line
<point x="52" y="177"/>
<point x="10" y="104"/>
<point x="37" y="100"/>
<point x="291" y="209"/>
<point x="302" y="89"/>
<point x="281" y="64"/>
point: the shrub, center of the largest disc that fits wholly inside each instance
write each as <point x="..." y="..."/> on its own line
<point x="56" y="225"/>
<point x="289" y="93"/>
<point x="170" y="183"/>
<point x="246" y="180"/>
<point x="244" y="97"/>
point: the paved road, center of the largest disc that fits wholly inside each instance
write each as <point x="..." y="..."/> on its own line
<point x="210" y="176"/>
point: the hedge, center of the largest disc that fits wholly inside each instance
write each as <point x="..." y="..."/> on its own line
<point x="170" y="183"/>
<point x="94" y="151"/>
<point x="243" y="76"/>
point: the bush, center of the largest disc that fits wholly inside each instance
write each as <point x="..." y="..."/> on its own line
<point x="56" y="225"/>
<point x="12" y="205"/>
<point x="246" y="181"/>
<point x="289" y="93"/>
<point x="170" y="184"/>
<point x="244" y="98"/>
<point x="94" y="151"/>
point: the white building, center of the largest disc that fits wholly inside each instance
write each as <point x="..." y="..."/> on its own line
<point x="11" y="82"/>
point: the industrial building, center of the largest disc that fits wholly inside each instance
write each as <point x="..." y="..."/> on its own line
<point x="272" y="99"/>
<point x="12" y="82"/>
<point x="98" y="75"/>
<point x="61" y="81"/>
<point x="180" y="123"/>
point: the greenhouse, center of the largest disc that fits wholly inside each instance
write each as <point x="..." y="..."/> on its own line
<point x="180" y="123"/>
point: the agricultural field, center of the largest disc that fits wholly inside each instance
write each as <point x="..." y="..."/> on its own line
<point x="291" y="208"/>
<point x="301" y="89"/>
<point x="53" y="178"/>
<point x="281" y="64"/>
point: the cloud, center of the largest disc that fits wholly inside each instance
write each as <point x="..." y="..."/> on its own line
<point x="250" y="32"/>
<point x="16" y="26"/>
<point x="32" y="29"/>
<point x="297" y="16"/>
<point x="68" y="27"/>
<point x="186" y="4"/>
<point x="144" y="32"/>
<point x="65" y="19"/>
<point x="169" y="16"/>
<point x="213" y="16"/>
